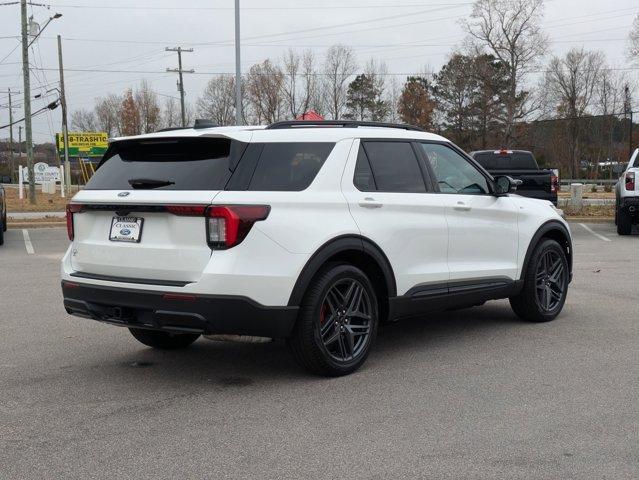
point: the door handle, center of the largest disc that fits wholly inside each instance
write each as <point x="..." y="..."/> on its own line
<point x="462" y="207"/>
<point x="370" y="202"/>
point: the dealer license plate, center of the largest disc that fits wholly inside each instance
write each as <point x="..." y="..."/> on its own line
<point x="126" y="229"/>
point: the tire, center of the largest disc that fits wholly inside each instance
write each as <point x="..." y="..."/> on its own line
<point x="337" y="322"/>
<point x="163" y="340"/>
<point x="545" y="284"/>
<point x="624" y="222"/>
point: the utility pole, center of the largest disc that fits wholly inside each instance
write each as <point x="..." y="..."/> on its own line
<point x="65" y="126"/>
<point x="180" y="71"/>
<point x="238" y="67"/>
<point x="11" y="152"/>
<point x="27" y="102"/>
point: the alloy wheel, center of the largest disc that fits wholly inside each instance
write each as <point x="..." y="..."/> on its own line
<point x="345" y="320"/>
<point x="550" y="281"/>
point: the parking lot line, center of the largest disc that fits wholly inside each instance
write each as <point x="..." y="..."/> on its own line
<point x="27" y="242"/>
<point x="588" y="229"/>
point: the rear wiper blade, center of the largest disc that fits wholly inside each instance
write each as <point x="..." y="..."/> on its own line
<point x="142" y="183"/>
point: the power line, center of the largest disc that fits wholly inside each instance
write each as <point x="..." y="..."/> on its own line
<point x="314" y="7"/>
<point x="150" y="72"/>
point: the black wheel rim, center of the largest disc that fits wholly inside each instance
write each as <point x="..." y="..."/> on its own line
<point x="345" y="320"/>
<point x="550" y="281"/>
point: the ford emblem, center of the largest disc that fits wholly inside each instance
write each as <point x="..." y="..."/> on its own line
<point x="123" y="194"/>
<point x="125" y="231"/>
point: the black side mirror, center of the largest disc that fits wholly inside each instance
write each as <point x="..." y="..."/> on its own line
<point x="505" y="184"/>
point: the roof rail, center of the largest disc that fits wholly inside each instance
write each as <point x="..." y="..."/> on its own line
<point x="338" y="123"/>
<point x="170" y="129"/>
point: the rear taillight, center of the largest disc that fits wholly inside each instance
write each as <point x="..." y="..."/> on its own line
<point x="71" y="209"/>
<point x="187" y="210"/>
<point x="554" y="184"/>
<point x="228" y="225"/>
<point x="630" y="181"/>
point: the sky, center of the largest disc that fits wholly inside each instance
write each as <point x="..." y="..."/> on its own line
<point x="112" y="45"/>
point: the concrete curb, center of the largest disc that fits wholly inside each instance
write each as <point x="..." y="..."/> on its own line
<point x="30" y="225"/>
<point x="591" y="219"/>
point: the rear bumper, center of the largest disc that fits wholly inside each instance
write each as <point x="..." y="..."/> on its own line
<point x="166" y="311"/>
<point x="627" y="202"/>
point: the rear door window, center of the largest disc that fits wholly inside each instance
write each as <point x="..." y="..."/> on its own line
<point x="289" y="166"/>
<point x="394" y="166"/>
<point x="165" y="164"/>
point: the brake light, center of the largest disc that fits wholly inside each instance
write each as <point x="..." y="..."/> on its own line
<point x="554" y="183"/>
<point x="228" y="225"/>
<point x="630" y="181"/>
<point x="187" y="210"/>
<point x="71" y="209"/>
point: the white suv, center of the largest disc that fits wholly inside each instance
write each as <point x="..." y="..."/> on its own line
<point x="310" y="232"/>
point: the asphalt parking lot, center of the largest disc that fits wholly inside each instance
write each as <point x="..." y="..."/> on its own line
<point x="468" y="394"/>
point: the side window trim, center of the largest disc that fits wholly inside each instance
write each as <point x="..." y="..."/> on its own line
<point x="431" y="184"/>
<point x="363" y="148"/>
<point x="471" y="161"/>
<point x="425" y="179"/>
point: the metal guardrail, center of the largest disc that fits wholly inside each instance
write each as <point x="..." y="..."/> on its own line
<point x="588" y="181"/>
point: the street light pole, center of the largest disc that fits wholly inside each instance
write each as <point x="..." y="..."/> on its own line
<point x="238" y="67"/>
<point x="27" y="101"/>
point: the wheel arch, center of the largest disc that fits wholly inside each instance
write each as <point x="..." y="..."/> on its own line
<point x="358" y="251"/>
<point x="554" y="230"/>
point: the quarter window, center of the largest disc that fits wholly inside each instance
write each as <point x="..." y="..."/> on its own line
<point x="454" y="173"/>
<point x="393" y="166"/>
<point x="289" y="166"/>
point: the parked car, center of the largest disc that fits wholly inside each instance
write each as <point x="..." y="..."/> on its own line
<point x="3" y="208"/>
<point x="537" y="182"/>
<point x="627" y="197"/>
<point x="305" y="231"/>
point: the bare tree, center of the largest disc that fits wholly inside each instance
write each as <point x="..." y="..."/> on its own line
<point x="510" y="30"/>
<point x="339" y="66"/>
<point x="84" y="121"/>
<point x="264" y="91"/>
<point x="217" y="102"/>
<point x="146" y="102"/>
<point x="171" y="116"/>
<point x="290" y="88"/>
<point x="393" y="93"/>
<point x="571" y="85"/>
<point x="633" y="39"/>
<point x="108" y="114"/>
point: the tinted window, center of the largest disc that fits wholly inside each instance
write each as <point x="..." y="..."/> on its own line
<point x="289" y="166"/>
<point x="171" y="164"/>
<point x="363" y="179"/>
<point x="486" y="160"/>
<point x="395" y="167"/>
<point x="506" y="161"/>
<point x="523" y="161"/>
<point x="454" y="173"/>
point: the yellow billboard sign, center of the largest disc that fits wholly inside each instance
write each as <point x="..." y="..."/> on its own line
<point x="84" y="144"/>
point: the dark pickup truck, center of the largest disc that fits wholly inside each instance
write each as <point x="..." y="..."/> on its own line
<point x="521" y="164"/>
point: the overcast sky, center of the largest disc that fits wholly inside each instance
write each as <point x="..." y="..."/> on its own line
<point x="129" y="41"/>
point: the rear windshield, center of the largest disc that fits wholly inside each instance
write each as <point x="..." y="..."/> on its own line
<point x="166" y="164"/>
<point x="508" y="161"/>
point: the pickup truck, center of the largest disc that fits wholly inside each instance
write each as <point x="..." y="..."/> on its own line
<point x="520" y="165"/>
<point x="627" y="197"/>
